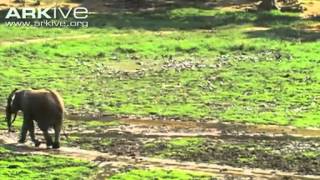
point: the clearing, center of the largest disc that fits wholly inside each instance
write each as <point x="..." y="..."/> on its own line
<point x="173" y="89"/>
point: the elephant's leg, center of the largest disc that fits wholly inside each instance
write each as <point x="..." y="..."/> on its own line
<point x="32" y="136"/>
<point x="57" y="129"/>
<point x="47" y="137"/>
<point x="24" y="130"/>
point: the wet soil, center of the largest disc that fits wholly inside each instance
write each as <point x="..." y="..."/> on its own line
<point x="223" y="144"/>
<point x="224" y="149"/>
<point x="110" y="164"/>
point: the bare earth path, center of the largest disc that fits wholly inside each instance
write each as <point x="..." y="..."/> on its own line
<point x="149" y="128"/>
<point x="106" y="160"/>
<point x="158" y="127"/>
<point x="41" y="40"/>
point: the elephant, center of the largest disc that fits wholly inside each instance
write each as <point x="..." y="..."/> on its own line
<point x="43" y="106"/>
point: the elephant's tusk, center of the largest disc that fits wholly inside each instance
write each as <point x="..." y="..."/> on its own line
<point x="14" y="118"/>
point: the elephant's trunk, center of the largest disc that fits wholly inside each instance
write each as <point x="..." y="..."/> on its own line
<point x="9" y="118"/>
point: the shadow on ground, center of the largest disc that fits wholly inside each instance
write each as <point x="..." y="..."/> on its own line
<point x="180" y="18"/>
<point x="286" y="33"/>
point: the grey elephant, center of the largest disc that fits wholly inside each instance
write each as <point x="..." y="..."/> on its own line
<point x="43" y="106"/>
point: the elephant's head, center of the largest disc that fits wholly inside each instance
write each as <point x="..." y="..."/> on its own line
<point x="13" y="106"/>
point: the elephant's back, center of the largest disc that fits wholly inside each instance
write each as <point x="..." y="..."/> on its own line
<point x="43" y="102"/>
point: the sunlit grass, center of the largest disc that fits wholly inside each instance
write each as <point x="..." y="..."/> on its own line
<point x="263" y="76"/>
<point x="138" y="174"/>
<point x="19" y="166"/>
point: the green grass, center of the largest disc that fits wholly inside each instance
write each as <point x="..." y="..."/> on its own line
<point x="138" y="174"/>
<point x="102" y="124"/>
<point x="181" y="147"/>
<point x="311" y="154"/>
<point x="257" y="76"/>
<point x="23" y="166"/>
<point x="181" y="142"/>
<point x="16" y="125"/>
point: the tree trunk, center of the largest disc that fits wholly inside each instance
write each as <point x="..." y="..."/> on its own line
<point x="268" y="5"/>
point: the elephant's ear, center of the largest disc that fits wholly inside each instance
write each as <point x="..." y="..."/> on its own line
<point x="8" y="109"/>
<point x="10" y="98"/>
<point x="11" y="94"/>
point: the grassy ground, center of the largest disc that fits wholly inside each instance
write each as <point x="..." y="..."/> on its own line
<point x="26" y="166"/>
<point x="244" y="153"/>
<point x="286" y="153"/>
<point x="185" y="63"/>
<point x="138" y="174"/>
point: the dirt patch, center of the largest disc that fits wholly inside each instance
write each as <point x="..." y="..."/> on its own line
<point x="286" y="155"/>
<point x="312" y="28"/>
<point x="224" y="149"/>
<point x="312" y="8"/>
<point x="41" y="40"/>
<point x="236" y="5"/>
<point x="223" y="144"/>
<point x="116" y="163"/>
<point x="5" y="4"/>
<point x="257" y="29"/>
<point x="225" y="128"/>
<point x="284" y="149"/>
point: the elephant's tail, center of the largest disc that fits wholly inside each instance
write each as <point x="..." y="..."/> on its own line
<point x="65" y="135"/>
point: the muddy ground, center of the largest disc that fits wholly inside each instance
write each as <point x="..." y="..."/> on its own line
<point x="226" y="150"/>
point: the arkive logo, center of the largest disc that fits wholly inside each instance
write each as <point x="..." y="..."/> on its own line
<point x="47" y="17"/>
<point x="47" y="13"/>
